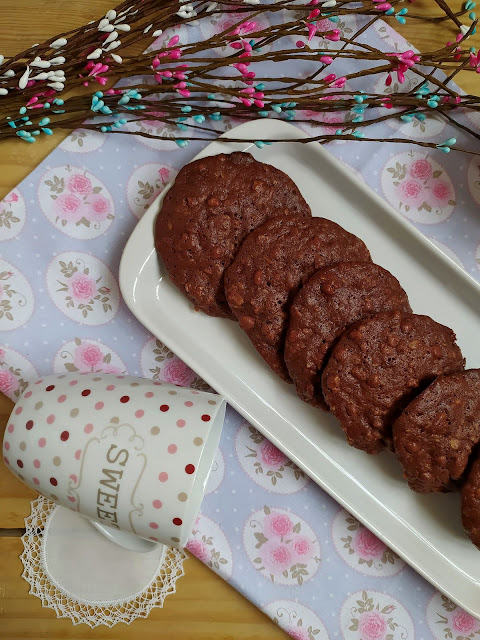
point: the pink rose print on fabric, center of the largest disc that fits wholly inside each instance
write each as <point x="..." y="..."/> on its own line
<point x="12" y="215"/>
<point x="100" y="207"/>
<point x="281" y="546"/>
<point x="448" y="621"/>
<point x="266" y="464"/>
<point x="271" y="456"/>
<point x="421" y="169"/>
<point x="8" y="382"/>
<point x="370" y="615"/>
<point x="88" y="356"/>
<point x="177" y="372"/>
<point x="367" y="544"/>
<point x="79" y="183"/>
<point x="76" y="202"/>
<point x="419" y="187"/>
<point x="15" y="372"/>
<point x="209" y="544"/>
<point x="463" y="622"/>
<point x="159" y="363"/>
<point x="372" y="626"/>
<point x="68" y="207"/>
<point x="199" y="549"/>
<point x="277" y="524"/>
<point x="83" y="288"/>
<point x="361" y="549"/>
<point x="300" y="622"/>
<point x="144" y="185"/>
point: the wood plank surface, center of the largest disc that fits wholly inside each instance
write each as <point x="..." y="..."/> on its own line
<point x="204" y="607"/>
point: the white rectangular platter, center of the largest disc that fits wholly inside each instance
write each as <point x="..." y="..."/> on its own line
<point x="425" y="530"/>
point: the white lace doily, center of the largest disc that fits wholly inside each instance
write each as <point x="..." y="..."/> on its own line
<point x="81" y="575"/>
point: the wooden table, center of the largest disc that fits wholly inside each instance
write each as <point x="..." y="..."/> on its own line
<point x="204" y="607"/>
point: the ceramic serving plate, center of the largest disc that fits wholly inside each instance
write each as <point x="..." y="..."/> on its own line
<point x="424" y="530"/>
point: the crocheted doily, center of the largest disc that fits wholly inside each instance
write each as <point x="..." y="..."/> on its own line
<point x="63" y="554"/>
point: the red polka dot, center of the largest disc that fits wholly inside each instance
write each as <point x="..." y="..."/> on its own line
<point x="88" y="428"/>
<point x="39" y="381"/>
<point x="99" y="406"/>
<point x="181" y="423"/>
<point x="62" y="398"/>
<point x="164" y="407"/>
<point x="36" y="464"/>
<point x="205" y="417"/>
<point x="72" y="383"/>
<point x="195" y="393"/>
<point x="53" y="481"/>
<point x="110" y="387"/>
<point x="78" y="453"/>
<point x="50" y="387"/>
<point x="36" y="480"/>
<point x="190" y="468"/>
<point x="6" y="445"/>
<point x="188" y="403"/>
<point x="20" y="464"/>
<point x="149" y="394"/>
<point x="153" y="538"/>
<point x="86" y="392"/>
<point x="28" y="394"/>
<point x="157" y="504"/>
<point x="124" y="399"/>
<point x="42" y="442"/>
<point x="157" y="384"/>
<point x="153" y="525"/>
<point x="172" y="448"/>
<point x="50" y="419"/>
<point x="6" y="460"/>
<point x="73" y="477"/>
<point x="71" y="498"/>
<point x="163" y="476"/>
<point x="64" y="436"/>
<point x="139" y="413"/>
<point x="18" y="411"/>
<point x="29" y="424"/>
<point x="10" y="428"/>
<point x="177" y="521"/>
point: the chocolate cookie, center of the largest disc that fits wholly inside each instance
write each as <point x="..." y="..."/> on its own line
<point x="328" y="303"/>
<point x="214" y="203"/>
<point x="269" y="269"/>
<point x="378" y="366"/>
<point x="471" y="502"/>
<point x="436" y="433"/>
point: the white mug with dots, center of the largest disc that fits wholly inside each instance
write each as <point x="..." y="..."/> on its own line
<point x="130" y="454"/>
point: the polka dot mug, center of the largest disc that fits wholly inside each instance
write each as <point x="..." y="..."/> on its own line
<point x="130" y="454"/>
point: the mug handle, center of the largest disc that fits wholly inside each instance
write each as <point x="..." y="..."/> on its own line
<point x="124" y="539"/>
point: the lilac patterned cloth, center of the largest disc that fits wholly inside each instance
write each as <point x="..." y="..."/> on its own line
<point x="264" y="527"/>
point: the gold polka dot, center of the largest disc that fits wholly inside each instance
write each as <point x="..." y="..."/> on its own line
<point x="20" y="476"/>
<point x="198" y="442"/>
<point x="134" y="384"/>
<point x="57" y="461"/>
<point x="182" y="496"/>
<point x="74" y="413"/>
<point x="115" y="420"/>
<point x="174" y="539"/>
<point x="155" y="431"/>
<point x="23" y="446"/>
<point x="96" y="379"/>
<point x="39" y="405"/>
<point x="212" y="402"/>
<point x="61" y="377"/>
<point x="172" y="393"/>
<point x="54" y="497"/>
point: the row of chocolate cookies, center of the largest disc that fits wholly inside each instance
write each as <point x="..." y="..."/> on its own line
<point x="237" y="236"/>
